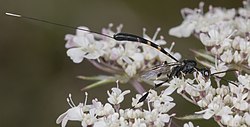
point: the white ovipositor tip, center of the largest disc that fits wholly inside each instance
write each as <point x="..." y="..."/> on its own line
<point x="12" y="14"/>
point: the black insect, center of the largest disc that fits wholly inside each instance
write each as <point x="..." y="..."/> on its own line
<point x="174" y="69"/>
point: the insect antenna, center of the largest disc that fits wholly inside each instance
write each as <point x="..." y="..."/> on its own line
<point x="226" y="80"/>
<point x="214" y="74"/>
<point x="224" y="71"/>
<point x="53" y="23"/>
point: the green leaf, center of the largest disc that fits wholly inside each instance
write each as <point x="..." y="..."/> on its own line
<point x="99" y="77"/>
<point x="101" y="82"/>
<point x="191" y="117"/>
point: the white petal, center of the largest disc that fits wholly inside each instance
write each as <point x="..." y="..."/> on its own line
<point x="64" y="121"/>
<point x="60" y="118"/>
<point x="184" y="30"/>
<point x="75" y="114"/>
<point x="208" y="114"/>
<point x="100" y="124"/>
<point x="170" y="90"/>
<point x="247" y="118"/>
<point x="76" y="54"/>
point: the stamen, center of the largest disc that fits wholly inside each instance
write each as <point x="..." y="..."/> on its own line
<point x="69" y="103"/>
<point x="245" y="4"/>
<point x="119" y="28"/>
<point x="201" y="6"/>
<point x="117" y="83"/>
<point x="110" y="25"/>
<point x="86" y="98"/>
<point x="144" y="31"/>
<point x="230" y="35"/>
<point x="162" y="37"/>
<point x="149" y="108"/>
<point x="71" y="100"/>
<point x="210" y="7"/>
<point x="171" y="47"/>
<point x="156" y="33"/>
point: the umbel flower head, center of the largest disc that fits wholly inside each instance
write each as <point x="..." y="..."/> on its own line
<point x="223" y="32"/>
<point x="108" y="114"/>
<point x="225" y="35"/>
<point x="123" y="59"/>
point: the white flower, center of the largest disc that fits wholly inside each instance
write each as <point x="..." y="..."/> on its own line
<point x="239" y="101"/>
<point x="156" y="117"/>
<point x="139" y="123"/>
<point x="162" y="106"/>
<point x="73" y="114"/>
<point x="152" y="95"/>
<point x="177" y="83"/>
<point x="244" y="80"/>
<point x="247" y="118"/>
<point x="116" y="52"/>
<point x="100" y="124"/>
<point x="88" y="119"/>
<point x="135" y="101"/>
<point x="216" y="108"/>
<point x="203" y="84"/>
<point x="205" y="101"/>
<point x="81" y="36"/>
<point x="235" y="121"/>
<point x="242" y="44"/>
<point x="81" y="113"/>
<point x="100" y="110"/>
<point x="218" y="35"/>
<point x="227" y="56"/>
<point x="132" y="114"/>
<point x="219" y="68"/>
<point x="117" y="96"/>
<point x="189" y="124"/>
<point x="242" y="24"/>
<point x="184" y="30"/>
<point x="83" y="45"/>
<point x="211" y="39"/>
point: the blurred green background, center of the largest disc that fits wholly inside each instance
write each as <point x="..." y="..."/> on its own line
<point x="36" y="75"/>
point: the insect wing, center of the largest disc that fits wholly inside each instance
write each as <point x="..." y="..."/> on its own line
<point x="162" y="70"/>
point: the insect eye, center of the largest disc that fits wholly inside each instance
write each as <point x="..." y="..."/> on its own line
<point x="206" y="73"/>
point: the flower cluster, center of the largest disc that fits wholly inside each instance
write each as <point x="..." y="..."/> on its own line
<point x="117" y="56"/>
<point x="228" y="104"/>
<point x="110" y="114"/>
<point x="224" y="32"/>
